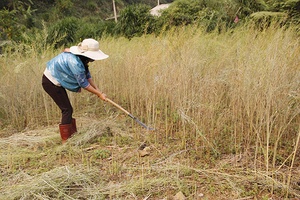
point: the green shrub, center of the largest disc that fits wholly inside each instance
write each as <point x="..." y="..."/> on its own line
<point x="64" y="7"/>
<point x="210" y="14"/>
<point x="264" y="19"/>
<point x="63" y="32"/>
<point x="135" y="20"/>
<point x="72" y="30"/>
<point x="293" y="8"/>
<point x="94" y="29"/>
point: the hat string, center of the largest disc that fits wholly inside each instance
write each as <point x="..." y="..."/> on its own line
<point x="84" y="48"/>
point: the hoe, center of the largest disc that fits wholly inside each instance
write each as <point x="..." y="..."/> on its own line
<point x="130" y="115"/>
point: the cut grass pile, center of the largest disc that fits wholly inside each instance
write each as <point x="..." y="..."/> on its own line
<point x="102" y="162"/>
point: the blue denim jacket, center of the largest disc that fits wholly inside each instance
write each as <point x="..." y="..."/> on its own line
<point x="69" y="71"/>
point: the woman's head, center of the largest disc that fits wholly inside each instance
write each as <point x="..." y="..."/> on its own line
<point x="89" y="48"/>
<point x="85" y="60"/>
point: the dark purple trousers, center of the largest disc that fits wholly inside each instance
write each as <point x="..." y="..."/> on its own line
<point x="60" y="97"/>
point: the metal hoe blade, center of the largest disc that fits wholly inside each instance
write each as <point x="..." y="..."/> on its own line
<point x="141" y="123"/>
<point x="130" y="115"/>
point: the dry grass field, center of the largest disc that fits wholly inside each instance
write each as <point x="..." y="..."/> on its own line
<point x="225" y="108"/>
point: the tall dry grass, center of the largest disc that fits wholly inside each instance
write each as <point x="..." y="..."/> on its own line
<point x="235" y="93"/>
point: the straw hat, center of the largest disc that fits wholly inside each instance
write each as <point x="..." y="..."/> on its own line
<point x="89" y="48"/>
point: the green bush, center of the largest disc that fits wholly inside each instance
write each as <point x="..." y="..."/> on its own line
<point x="63" y="32"/>
<point x="8" y="24"/>
<point x="293" y="9"/>
<point x="210" y="14"/>
<point x="64" y="7"/>
<point x="72" y="30"/>
<point x="94" y="29"/>
<point x="15" y="21"/>
<point x="264" y="19"/>
<point x="135" y="20"/>
<point x="248" y="7"/>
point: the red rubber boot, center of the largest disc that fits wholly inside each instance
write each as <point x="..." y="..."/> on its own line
<point x="74" y="127"/>
<point x="65" y="131"/>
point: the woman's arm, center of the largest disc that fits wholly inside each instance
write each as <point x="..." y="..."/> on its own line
<point x="95" y="90"/>
<point x="92" y="83"/>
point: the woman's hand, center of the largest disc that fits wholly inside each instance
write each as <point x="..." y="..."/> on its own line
<point x="93" y="89"/>
<point x="102" y="96"/>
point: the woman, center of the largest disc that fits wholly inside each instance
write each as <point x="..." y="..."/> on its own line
<point x="69" y="70"/>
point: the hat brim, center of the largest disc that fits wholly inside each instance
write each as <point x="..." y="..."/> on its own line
<point x="95" y="55"/>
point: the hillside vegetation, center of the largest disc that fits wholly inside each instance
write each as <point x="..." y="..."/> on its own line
<point x="69" y="21"/>
<point x="225" y="108"/>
